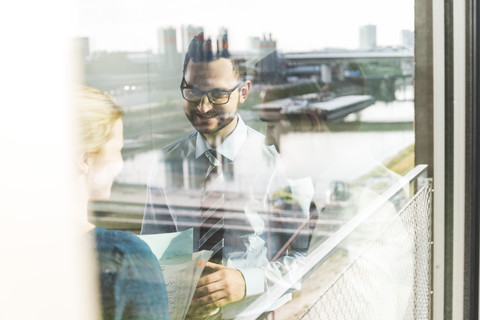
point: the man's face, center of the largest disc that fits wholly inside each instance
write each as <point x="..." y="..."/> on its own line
<point x="207" y="118"/>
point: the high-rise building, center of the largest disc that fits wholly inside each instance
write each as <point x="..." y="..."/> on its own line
<point x="222" y="43"/>
<point x="167" y="40"/>
<point x="254" y="43"/>
<point x="188" y="32"/>
<point x="82" y="46"/>
<point x="167" y="47"/>
<point x="222" y="32"/>
<point x="368" y="37"/>
<point x="268" y="66"/>
<point x="268" y="44"/>
<point x="407" y="38"/>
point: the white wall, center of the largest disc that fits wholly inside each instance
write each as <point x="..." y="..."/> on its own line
<point x="43" y="270"/>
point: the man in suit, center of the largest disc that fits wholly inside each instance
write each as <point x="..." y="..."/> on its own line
<point x="239" y="219"/>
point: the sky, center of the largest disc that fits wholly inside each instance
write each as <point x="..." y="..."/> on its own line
<point x="131" y="25"/>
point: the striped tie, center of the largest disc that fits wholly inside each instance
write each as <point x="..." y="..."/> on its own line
<point x="211" y="213"/>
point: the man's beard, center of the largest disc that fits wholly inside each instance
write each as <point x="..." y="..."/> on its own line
<point x="225" y="120"/>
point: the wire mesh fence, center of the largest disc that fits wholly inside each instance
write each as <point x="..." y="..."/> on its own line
<point x="390" y="278"/>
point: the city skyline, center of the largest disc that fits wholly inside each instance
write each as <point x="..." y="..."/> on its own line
<point x="126" y="26"/>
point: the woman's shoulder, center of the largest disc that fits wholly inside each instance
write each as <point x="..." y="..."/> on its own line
<point x="119" y="240"/>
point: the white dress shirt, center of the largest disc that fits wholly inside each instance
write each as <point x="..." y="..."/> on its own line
<point x="255" y="229"/>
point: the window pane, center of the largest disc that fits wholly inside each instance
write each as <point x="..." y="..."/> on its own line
<point x="319" y="131"/>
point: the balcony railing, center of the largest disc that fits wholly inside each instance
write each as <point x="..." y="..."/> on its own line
<point x="387" y="276"/>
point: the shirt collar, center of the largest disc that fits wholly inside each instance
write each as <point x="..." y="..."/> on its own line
<point x="230" y="147"/>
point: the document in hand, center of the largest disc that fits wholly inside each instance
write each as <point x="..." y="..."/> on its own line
<point x="180" y="265"/>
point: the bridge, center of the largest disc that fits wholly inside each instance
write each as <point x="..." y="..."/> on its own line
<point x="272" y="66"/>
<point x="319" y="57"/>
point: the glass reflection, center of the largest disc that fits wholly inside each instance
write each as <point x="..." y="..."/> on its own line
<point x="328" y="156"/>
<point x="251" y="216"/>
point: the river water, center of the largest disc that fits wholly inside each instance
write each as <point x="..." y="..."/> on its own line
<point x="325" y="156"/>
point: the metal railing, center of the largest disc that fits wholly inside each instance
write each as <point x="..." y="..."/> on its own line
<point x="388" y="278"/>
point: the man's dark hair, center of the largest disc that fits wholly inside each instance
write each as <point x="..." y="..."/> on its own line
<point x="200" y="50"/>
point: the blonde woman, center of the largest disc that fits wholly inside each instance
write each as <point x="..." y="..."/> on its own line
<point x="131" y="281"/>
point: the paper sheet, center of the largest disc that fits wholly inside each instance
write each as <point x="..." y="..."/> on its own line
<point x="181" y="267"/>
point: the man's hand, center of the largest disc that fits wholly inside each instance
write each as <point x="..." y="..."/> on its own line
<point x="218" y="286"/>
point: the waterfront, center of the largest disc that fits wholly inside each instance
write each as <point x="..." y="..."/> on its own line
<point x="159" y="126"/>
<point x="342" y="154"/>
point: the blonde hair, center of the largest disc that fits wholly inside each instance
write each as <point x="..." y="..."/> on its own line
<point x="96" y="113"/>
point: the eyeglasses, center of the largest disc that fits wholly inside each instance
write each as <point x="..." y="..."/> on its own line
<point x="215" y="96"/>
